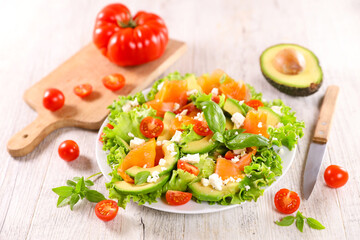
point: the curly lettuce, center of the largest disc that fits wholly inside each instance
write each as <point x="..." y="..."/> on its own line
<point x="179" y="181"/>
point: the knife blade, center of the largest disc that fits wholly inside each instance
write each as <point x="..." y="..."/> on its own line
<point x="318" y="145"/>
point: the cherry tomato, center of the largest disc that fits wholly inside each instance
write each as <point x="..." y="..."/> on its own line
<point x="188" y="167"/>
<point x="335" y="176"/>
<point x="83" y="90"/>
<point x="254" y="104"/>
<point x="69" y="150"/>
<point x="286" y="201"/>
<point x="177" y="197"/>
<point x="53" y="99"/>
<point x="114" y="81"/>
<point x="151" y="127"/>
<point x="106" y="210"/>
<point x="101" y="138"/>
<point x="201" y="128"/>
<point x="129" y="40"/>
<point x="229" y="155"/>
<point x="215" y="99"/>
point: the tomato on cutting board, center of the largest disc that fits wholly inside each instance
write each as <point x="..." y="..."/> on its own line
<point x="83" y="90"/>
<point x="106" y="210"/>
<point x="53" y="99"/>
<point x="286" y="201"/>
<point x="335" y="176"/>
<point x="151" y="127"/>
<point x="114" y="81"/>
<point x="129" y="40"/>
<point x="69" y="150"/>
<point x="177" y="197"/>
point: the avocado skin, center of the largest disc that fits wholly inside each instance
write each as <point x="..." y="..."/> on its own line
<point x="209" y="194"/>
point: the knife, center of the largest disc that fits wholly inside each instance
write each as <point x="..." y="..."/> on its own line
<point x="319" y="140"/>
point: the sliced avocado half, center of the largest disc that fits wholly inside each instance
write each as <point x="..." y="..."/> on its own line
<point x="203" y="145"/>
<point x="170" y="162"/>
<point x="208" y="193"/>
<point x="166" y="133"/>
<point x="272" y="118"/>
<point x="292" y="69"/>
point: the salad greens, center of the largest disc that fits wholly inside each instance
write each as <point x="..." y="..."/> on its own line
<point x="299" y="220"/>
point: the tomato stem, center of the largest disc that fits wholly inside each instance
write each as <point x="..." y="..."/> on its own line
<point x="130" y="24"/>
<point x="94" y="175"/>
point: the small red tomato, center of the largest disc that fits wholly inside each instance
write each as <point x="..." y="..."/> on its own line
<point x="188" y="167"/>
<point x="177" y="197"/>
<point x="201" y="128"/>
<point x="53" y="99"/>
<point x="110" y="126"/>
<point x="151" y="127"/>
<point x="335" y="176"/>
<point x="286" y="201"/>
<point x="215" y="99"/>
<point x="114" y="81"/>
<point x="101" y="138"/>
<point x="69" y="150"/>
<point x="254" y="104"/>
<point x="106" y="210"/>
<point x="83" y="90"/>
<point x="229" y="155"/>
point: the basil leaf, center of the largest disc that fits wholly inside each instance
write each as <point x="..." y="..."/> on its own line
<point x="73" y="200"/>
<point x="141" y="177"/>
<point x="245" y="140"/>
<point x="230" y="134"/>
<point x="94" y="196"/>
<point x="286" y="221"/>
<point x="76" y="179"/>
<point x="71" y="183"/>
<point x="218" y="137"/>
<point x="80" y="186"/>
<point x="89" y="183"/>
<point x="62" y="201"/>
<point x="299" y="223"/>
<point x="214" y="116"/>
<point x="315" y="224"/>
<point x="64" y="191"/>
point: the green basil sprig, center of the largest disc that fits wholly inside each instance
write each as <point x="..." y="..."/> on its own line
<point x="300" y="219"/>
<point x="75" y="190"/>
<point x="141" y="177"/>
<point x="214" y="116"/>
<point x="245" y="140"/>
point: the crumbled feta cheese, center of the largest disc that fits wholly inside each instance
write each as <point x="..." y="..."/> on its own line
<point x="200" y="116"/>
<point x="215" y="91"/>
<point x="179" y="117"/>
<point x="136" y="142"/>
<point x="279" y="125"/>
<point x="260" y="134"/>
<point x="238" y="180"/>
<point x="203" y="107"/>
<point x="159" y="143"/>
<point x="163" y="168"/>
<point x="230" y="179"/>
<point x="235" y="159"/>
<point x="238" y="119"/>
<point x="241" y="102"/>
<point x="260" y="125"/>
<point x="160" y="86"/>
<point x="247" y="187"/>
<point x="191" y="92"/>
<point x="215" y="181"/>
<point x="183" y="113"/>
<point x="277" y="110"/>
<point x="177" y="136"/>
<point x="176" y="106"/>
<point x="145" y="165"/>
<point x="249" y="175"/>
<point x="129" y="105"/>
<point x="236" y="133"/>
<point x="171" y="147"/>
<point x="131" y="135"/>
<point x="162" y="162"/>
<point x="274" y="139"/>
<point x="205" y="182"/>
<point x="281" y="151"/>
<point x="154" y="177"/>
<point x="191" y="158"/>
<point x="240" y="152"/>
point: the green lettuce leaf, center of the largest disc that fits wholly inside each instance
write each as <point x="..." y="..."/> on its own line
<point x="179" y="181"/>
<point x="206" y="166"/>
<point x="189" y="135"/>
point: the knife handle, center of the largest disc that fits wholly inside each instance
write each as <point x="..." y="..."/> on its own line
<point x="323" y="124"/>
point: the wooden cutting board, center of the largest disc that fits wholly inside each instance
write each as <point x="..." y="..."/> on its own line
<point x="86" y="66"/>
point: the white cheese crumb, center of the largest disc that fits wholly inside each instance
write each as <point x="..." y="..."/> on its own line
<point x="203" y="107"/>
<point x="238" y="119"/>
<point x="235" y="159"/>
<point x="160" y="86"/>
<point x="183" y="113"/>
<point x="240" y="152"/>
<point x="154" y="177"/>
<point x="136" y="142"/>
<point x="249" y="175"/>
<point x="260" y="125"/>
<point x="238" y="180"/>
<point x="230" y="179"/>
<point x="191" y="158"/>
<point x="241" y="102"/>
<point x="236" y="133"/>
<point x="162" y="162"/>
<point x="191" y="92"/>
<point x="200" y="116"/>
<point x="277" y="110"/>
<point x="215" y="181"/>
<point x="171" y="148"/>
<point x="176" y="106"/>
<point x="129" y="105"/>
<point x="247" y="187"/>
<point x="131" y="134"/>
<point x="260" y="134"/>
<point x="159" y="143"/>
<point x="163" y="168"/>
<point x="215" y="91"/>
<point x="279" y="125"/>
<point x="145" y="165"/>
<point x="177" y="136"/>
<point x="205" y="182"/>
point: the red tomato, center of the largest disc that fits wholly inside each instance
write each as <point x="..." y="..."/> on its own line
<point x="151" y="127"/>
<point x="254" y="104"/>
<point x="114" y="81"/>
<point x="53" y="99"/>
<point x="335" y="176"/>
<point x="101" y="138"/>
<point x="110" y="126"/>
<point x="69" y="150"/>
<point x="201" y="128"/>
<point x="286" y="201"/>
<point x="127" y="40"/>
<point x="192" y="110"/>
<point x="177" y="197"/>
<point x="229" y="155"/>
<point x="215" y="99"/>
<point x="106" y="210"/>
<point x="188" y="167"/>
<point x="83" y="90"/>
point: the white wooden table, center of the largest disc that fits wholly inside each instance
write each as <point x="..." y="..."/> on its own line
<point x="38" y="35"/>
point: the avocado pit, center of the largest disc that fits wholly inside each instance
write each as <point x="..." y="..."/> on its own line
<point x="289" y="61"/>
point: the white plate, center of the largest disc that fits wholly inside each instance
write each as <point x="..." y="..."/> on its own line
<point x="191" y="207"/>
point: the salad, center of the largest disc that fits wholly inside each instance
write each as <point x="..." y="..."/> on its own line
<point x="209" y="138"/>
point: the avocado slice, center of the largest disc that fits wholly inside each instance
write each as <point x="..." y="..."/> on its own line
<point x="192" y="83"/>
<point x="229" y="124"/>
<point x="129" y="188"/>
<point x="170" y="162"/>
<point x="166" y="134"/>
<point x="272" y="118"/>
<point x="292" y="69"/>
<point x="232" y="106"/>
<point x="208" y="193"/>
<point x="203" y="145"/>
